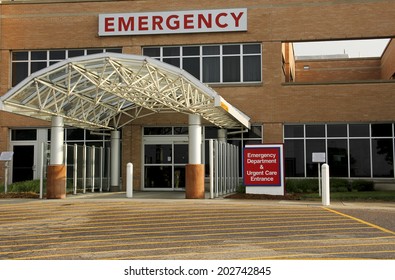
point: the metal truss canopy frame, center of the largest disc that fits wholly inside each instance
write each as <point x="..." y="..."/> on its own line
<point x="109" y="90"/>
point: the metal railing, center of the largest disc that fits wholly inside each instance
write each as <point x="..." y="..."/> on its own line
<point x="88" y="168"/>
<point x="223" y="168"/>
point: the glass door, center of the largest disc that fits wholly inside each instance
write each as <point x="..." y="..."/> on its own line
<point x="164" y="164"/>
<point x="180" y="160"/>
<point x="23" y="166"/>
<point x="158" y="162"/>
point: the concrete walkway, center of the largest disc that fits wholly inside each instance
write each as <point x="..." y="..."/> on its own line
<point x="179" y="195"/>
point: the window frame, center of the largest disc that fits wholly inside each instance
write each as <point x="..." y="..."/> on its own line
<point x="48" y="61"/>
<point x="242" y="54"/>
<point x="349" y="138"/>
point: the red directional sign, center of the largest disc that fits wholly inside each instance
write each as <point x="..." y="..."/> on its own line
<point x="263" y="165"/>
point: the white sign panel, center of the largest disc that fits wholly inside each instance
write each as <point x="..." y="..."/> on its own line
<point x="6" y="156"/>
<point x="319" y="157"/>
<point x="198" y="21"/>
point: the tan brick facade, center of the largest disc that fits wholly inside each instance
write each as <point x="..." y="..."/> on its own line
<point x="388" y="62"/>
<point x="271" y="23"/>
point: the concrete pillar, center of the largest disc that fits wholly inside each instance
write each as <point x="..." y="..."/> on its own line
<point x="194" y="171"/>
<point x="57" y="136"/>
<point x="115" y="159"/>
<point x="56" y="172"/>
<point x="222" y="137"/>
<point x="195" y="139"/>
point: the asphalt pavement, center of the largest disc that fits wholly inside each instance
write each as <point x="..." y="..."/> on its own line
<point x="165" y="226"/>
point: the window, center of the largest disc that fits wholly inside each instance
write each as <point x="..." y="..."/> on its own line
<point x="25" y="63"/>
<point x="353" y="150"/>
<point x="165" y="130"/>
<point x="23" y="134"/>
<point x="235" y="63"/>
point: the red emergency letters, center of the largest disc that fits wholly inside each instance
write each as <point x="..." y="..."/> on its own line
<point x="165" y="22"/>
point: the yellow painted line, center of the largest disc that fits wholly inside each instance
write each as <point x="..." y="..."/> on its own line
<point x="181" y="204"/>
<point x="170" y="224"/>
<point x="245" y="237"/>
<point x="153" y="207"/>
<point x="252" y="250"/>
<point x="134" y="251"/>
<point x="170" y="242"/>
<point x="296" y="256"/>
<point x="153" y="210"/>
<point x="360" y="221"/>
<point x="34" y="219"/>
<point x="191" y="228"/>
<point x="158" y="234"/>
<point x="77" y="239"/>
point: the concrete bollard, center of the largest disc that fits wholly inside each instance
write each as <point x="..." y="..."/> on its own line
<point x="129" y="180"/>
<point x="325" y="185"/>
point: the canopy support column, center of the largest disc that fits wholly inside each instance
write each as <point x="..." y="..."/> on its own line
<point x="56" y="172"/>
<point x="115" y="159"/>
<point x="195" y="169"/>
<point x="222" y="137"/>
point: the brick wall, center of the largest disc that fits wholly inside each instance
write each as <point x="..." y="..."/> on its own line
<point x="335" y="70"/>
<point x="388" y="62"/>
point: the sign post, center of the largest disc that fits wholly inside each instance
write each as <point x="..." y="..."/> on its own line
<point x="319" y="158"/>
<point x="263" y="168"/>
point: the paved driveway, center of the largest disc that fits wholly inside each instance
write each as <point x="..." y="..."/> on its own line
<point x="120" y="228"/>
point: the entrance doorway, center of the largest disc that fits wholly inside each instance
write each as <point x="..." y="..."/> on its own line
<point x="23" y="167"/>
<point x="164" y="163"/>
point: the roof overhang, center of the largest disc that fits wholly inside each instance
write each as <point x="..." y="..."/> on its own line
<point x="109" y="90"/>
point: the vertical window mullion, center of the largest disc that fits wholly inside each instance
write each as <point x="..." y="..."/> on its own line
<point x="29" y="62"/>
<point x="371" y="150"/>
<point x="181" y="57"/>
<point x="326" y="144"/>
<point x="201" y="62"/>
<point x="221" y="61"/>
<point x="305" y="151"/>
<point x="348" y="152"/>
<point x="241" y="63"/>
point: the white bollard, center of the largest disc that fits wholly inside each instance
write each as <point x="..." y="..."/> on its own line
<point x="129" y="180"/>
<point x="325" y="185"/>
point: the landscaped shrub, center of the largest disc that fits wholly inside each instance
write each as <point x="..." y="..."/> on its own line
<point x="241" y="189"/>
<point x="362" y="185"/>
<point x="301" y="185"/>
<point x="336" y="185"/>
<point x="339" y="185"/>
<point x="25" y="186"/>
<point x="32" y="186"/>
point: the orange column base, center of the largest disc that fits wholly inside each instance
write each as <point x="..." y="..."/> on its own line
<point x="194" y="175"/>
<point x="56" y="182"/>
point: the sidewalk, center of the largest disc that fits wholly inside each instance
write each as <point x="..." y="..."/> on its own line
<point x="180" y="196"/>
